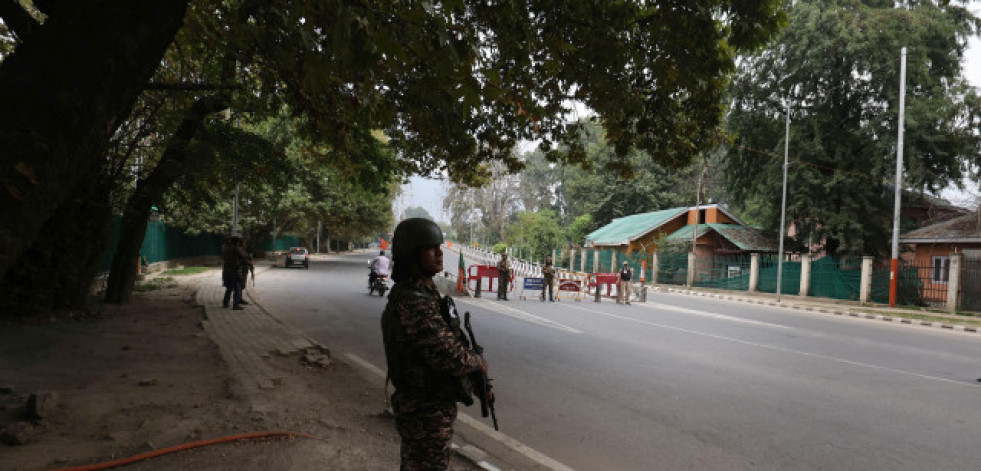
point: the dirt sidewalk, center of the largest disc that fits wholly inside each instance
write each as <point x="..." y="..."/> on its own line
<point x="147" y="376"/>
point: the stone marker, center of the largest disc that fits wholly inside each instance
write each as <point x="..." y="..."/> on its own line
<point x="42" y="404"/>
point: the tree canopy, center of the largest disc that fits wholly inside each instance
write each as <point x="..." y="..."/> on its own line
<point x="453" y="84"/>
<point x="837" y="64"/>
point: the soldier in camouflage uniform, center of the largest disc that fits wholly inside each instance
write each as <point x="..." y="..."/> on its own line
<point x="425" y="356"/>
<point x="503" y="277"/>
<point x="233" y="259"/>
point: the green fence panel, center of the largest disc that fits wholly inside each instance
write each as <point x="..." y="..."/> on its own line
<point x="909" y="286"/>
<point x="729" y="272"/>
<point x="283" y="242"/>
<point x="167" y="243"/>
<point x="836" y="278"/>
<point x="672" y="268"/>
<point x="162" y="242"/>
<point x="111" y="244"/>
<point x="789" y="282"/>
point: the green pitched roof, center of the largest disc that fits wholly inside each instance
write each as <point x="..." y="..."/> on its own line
<point x="745" y="238"/>
<point x="623" y="230"/>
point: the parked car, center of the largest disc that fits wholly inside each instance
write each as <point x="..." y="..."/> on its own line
<point x="298" y="256"/>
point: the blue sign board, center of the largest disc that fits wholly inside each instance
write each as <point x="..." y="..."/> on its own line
<point x="534" y="283"/>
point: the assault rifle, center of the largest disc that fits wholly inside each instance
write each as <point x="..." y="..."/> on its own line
<point x="482" y="386"/>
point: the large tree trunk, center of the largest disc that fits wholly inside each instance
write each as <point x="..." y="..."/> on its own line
<point x="63" y="93"/>
<point x="59" y="268"/>
<point x="172" y="165"/>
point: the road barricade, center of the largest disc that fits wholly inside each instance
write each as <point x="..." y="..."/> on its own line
<point x="476" y="275"/>
<point x="598" y="280"/>
<point x="570" y="285"/>
<point x="532" y="284"/>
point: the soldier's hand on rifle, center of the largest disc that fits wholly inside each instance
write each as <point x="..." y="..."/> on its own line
<point x="483" y="366"/>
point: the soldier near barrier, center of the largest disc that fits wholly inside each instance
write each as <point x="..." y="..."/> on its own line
<point x="426" y="359"/>
<point x="548" y="272"/>
<point x="234" y="261"/>
<point x="503" y="277"/>
<point x="623" y="284"/>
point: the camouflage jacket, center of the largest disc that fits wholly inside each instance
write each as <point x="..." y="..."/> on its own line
<point x="233" y="259"/>
<point x="425" y="357"/>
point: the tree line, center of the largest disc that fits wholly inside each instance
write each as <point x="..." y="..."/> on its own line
<point x="836" y="66"/>
<point x="119" y="106"/>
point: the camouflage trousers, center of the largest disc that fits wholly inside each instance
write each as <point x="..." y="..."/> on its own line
<point x="503" y="283"/>
<point x="426" y="428"/>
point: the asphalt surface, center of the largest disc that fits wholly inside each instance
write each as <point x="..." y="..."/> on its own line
<point x="681" y="382"/>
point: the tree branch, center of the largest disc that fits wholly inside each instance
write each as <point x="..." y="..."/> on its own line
<point x="190" y="87"/>
<point x="21" y="23"/>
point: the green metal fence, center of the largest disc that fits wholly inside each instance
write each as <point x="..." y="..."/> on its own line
<point x="836" y="278"/>
<point x="910" y="285"/>
<point x="970" y="299"/>
<point x="729" y="272"/>
<point x="605" y="258"/>
<point x="162" y="242"/>
<point x="672" y="268"/>
<point x="166" y="243"/>
<point x="789" y="282"/>
<point x="283" y="242"/>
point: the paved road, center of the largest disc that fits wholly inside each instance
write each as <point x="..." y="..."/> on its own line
<point x="688" y="383"/>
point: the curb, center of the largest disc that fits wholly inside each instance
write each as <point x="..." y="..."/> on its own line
<point x="834" y="311"/>
<point x="260" y="378"/>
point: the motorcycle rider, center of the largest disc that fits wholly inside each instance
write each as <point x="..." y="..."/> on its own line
<point x="378" y="266"/>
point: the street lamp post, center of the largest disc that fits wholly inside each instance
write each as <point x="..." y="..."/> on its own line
<point x="894" y="265"/>
<point x="783" y="204"/>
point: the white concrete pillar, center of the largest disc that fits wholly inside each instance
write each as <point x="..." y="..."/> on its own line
<point x="691" y="270"/>
<point x="954" y="281"/>
<point x="572" y="259"/>
<point x="654" y="266"/>
<point x="613" y="262"/>
<point x="596" y="267"/>
<point x="754" y="271"/>
<point x="582" y="261"/>
<point x="805" y="274"/>
<point x="865" y="286"/>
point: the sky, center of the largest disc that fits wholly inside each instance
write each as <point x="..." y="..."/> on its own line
<point x="429" y="193"/>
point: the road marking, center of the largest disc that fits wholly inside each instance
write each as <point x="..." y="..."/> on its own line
<point x="668" y="307"/>
<point x="511" y="443"/>
<point x="517" y="314"/>
<point x="783" y="350"/>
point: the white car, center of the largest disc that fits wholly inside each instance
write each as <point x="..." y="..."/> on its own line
<point x="298" y="256"/>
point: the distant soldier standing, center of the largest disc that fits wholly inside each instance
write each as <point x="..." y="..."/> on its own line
<point x="503" y="277"/>
<point x="424" y="355"/>
<point x="233" y="260"/>
<point x="548" y="272"/>
<point x="623" y="288"/>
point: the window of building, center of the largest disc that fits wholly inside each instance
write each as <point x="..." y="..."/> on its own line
<point x="941" y="269"/>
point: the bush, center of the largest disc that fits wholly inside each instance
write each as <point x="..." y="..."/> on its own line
<point x="500" y="247"/>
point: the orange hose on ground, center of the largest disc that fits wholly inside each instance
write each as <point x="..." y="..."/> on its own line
<point x="186" y="446"/>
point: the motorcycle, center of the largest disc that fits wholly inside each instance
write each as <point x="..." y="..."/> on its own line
<point x="380" y="284"/>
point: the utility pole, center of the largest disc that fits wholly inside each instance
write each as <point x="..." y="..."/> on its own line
<point x="783" y="204"/>
<point x="894" y="265"/>
<point x="694" y="227"/>
<point x="235" y="213"/>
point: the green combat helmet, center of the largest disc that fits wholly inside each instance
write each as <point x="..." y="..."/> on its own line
<point x="415" y="233"/>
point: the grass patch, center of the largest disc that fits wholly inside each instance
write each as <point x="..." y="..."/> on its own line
<point x="186" y="271"/>
<point x="947" y="319"/>
<point x="155" y="284"/>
